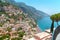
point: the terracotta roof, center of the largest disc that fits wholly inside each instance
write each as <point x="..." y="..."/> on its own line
<point x="41" y="36"/>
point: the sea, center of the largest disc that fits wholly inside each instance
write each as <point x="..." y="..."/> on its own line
<point x="45" y="23"/>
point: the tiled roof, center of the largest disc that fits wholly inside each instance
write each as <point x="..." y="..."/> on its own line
<point x="41" y="36"/>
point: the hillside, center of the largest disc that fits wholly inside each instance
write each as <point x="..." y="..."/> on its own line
<point x="34" y="13"/>
<point x="15" y="24"/>
<point x="31" y="11"/>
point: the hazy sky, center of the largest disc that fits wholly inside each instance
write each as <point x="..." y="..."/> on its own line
<point x="48" y="6"/>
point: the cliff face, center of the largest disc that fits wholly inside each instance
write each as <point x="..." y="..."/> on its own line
<point x="15" y="23"/>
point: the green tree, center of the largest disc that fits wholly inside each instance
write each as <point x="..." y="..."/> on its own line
<point x="54" y="18"/>
<point x="21" y="34"/>
<point x="52" y="25"/>
<point x="4" y="36"/>
<point x="9" y="29"/>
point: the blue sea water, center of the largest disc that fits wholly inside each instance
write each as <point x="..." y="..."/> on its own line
<point x="45" y="23"/>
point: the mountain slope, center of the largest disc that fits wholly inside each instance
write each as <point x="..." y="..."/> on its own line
<point x="31" y="11"/>
<point x="14" y="24"/>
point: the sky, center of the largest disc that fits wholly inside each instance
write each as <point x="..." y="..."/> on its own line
<point x="48" y="6"/>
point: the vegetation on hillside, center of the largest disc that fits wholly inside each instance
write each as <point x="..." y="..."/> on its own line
<point x="3" y="3"/>
<point x="14" y="19"/>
